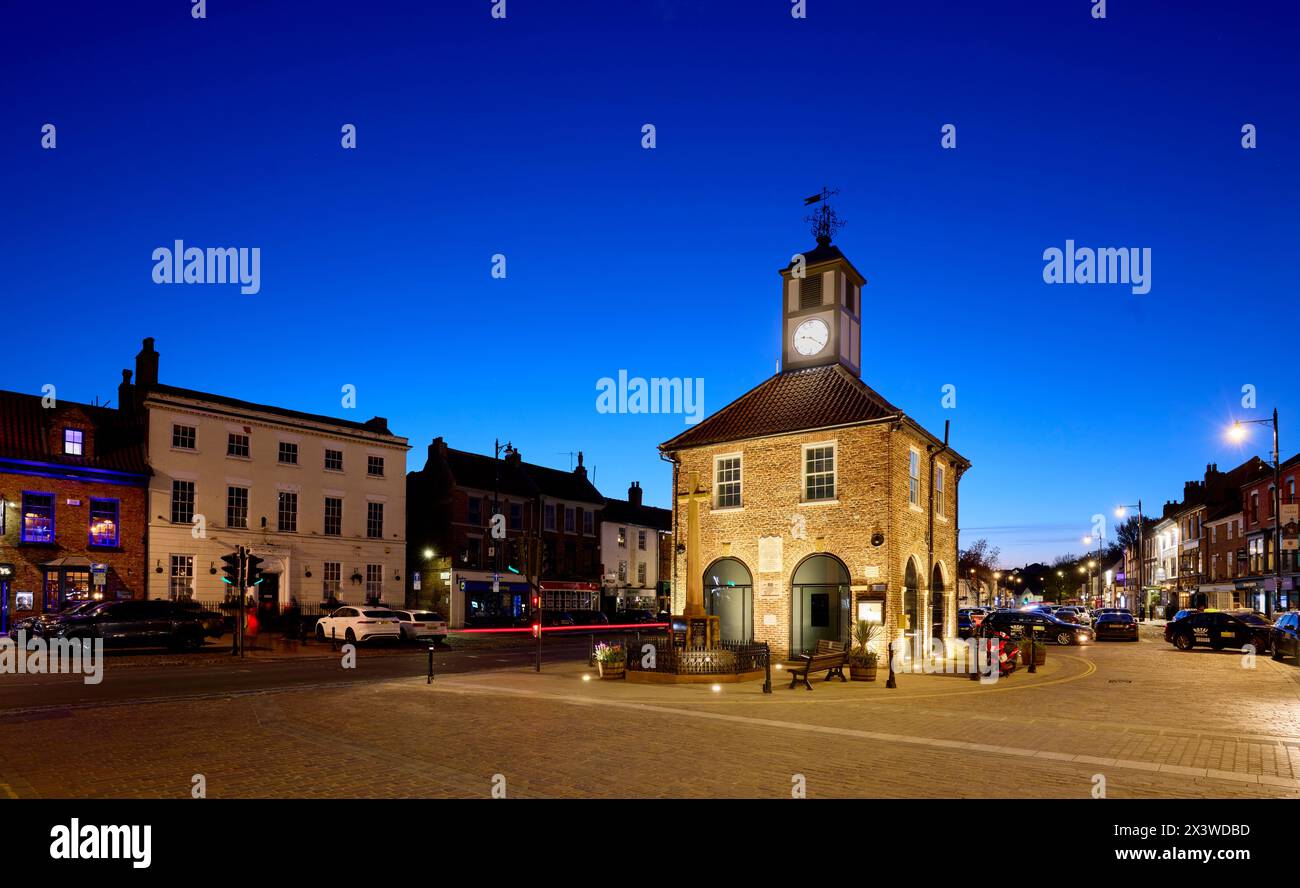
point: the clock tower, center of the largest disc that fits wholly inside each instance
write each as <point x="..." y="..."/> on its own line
<point x="821" y="310"/>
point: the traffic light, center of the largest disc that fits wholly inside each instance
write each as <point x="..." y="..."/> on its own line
<point x="518" y="556"/>
<point x="231" y="570"/>
<point x="253" y="572"/>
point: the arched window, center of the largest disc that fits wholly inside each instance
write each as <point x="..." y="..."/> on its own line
<point x="820" y="602"/>
<point x="911" y="599"/>
<point x="936" y="602"/>
<point x="729" y="594"/>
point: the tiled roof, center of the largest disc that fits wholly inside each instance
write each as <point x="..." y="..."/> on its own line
<point x="624" y="512"/>
<point x="118" y="443"/>
<point x="794" y="401"/>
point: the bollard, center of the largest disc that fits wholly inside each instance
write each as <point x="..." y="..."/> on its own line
<point x="1033" y="640"/>
<point x="334" y="638"/>
<point x="767" y="668"/>
<point x="892" y="682"/>
<point x="430" y="681"/>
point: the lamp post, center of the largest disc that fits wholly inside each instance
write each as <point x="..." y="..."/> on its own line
<point x="997" y="587"/>
<point x="1237" y="432"/>
<point x="1120" y="512"/>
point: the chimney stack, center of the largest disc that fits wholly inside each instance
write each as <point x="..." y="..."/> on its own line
<point x="437" y="450"/>
<point x="634" y="494"/>
<point x="580" y="470"/>
<point x="146" y="366"/>
<point x="126" y="393"/>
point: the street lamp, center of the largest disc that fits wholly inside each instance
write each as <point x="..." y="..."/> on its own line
<point x="1237" y="432"/>
<point x="1120" y="512"/>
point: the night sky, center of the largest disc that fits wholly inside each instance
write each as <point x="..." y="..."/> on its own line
<point x="522" y="136"/>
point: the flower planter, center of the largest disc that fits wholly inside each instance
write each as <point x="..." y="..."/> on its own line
<point x="613" y="669"/>
<point x="862" y="673"/>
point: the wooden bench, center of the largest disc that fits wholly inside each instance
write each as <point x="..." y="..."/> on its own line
<point x="829" y="655"/>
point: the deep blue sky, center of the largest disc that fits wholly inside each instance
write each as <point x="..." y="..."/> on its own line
<point x="478" y="136"/>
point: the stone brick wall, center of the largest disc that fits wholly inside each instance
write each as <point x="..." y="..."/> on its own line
<point x="872" y="497"/>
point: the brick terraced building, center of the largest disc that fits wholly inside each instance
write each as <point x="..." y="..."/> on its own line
<point x="826" y="502"/>
<point x="73" y="483"/>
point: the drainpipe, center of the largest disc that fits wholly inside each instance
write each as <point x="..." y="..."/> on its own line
<point x="677" y="465"/>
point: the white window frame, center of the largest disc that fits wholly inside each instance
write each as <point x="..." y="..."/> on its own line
<point x="835" y="472"/>
<point x="186" y="562"/>
<point x="914" y="490"/>
<point x="739" y="482"/>
<point x="940" y="482"/>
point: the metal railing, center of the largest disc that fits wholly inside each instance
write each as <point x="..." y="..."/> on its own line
<point x="646" y="652"/>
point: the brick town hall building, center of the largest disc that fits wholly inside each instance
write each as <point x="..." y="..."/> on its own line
<point x="825" y="503"/>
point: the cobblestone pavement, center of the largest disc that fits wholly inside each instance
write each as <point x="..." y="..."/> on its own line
<point x="1144" y="718"/>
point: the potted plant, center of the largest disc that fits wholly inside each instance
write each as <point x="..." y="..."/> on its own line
<point x="611" y="660"/>
<point x="862" y="659"/>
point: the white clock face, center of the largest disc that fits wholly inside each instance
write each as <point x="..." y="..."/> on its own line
<point x="811" y="336"/>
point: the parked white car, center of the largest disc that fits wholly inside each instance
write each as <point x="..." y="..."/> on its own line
<point x="418" y="624"/>
<point x="354" y="623"/>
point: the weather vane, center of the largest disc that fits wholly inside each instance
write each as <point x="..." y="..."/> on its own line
<point x="824" y="220"/>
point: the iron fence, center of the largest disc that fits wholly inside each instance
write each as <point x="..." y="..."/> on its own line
<point x="655" y="652"/>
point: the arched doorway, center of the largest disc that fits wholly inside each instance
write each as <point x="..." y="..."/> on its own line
<point x="820" y="603"/>
<point x="729" y="594"/>
<point x="911" y="600"/>
<point x="937" y="609"/>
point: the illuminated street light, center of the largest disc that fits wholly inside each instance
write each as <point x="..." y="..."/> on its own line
<point x="1237" y="432"/>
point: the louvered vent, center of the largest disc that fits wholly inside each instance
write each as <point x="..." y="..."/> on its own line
<point x="810" y="291"/>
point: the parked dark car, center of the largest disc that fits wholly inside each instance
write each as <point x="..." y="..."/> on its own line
<point x="1284" y="637"/>
<point x="635" y="617"/>
<point x="136" y="624"/>
<point x="214" y="622"/>
<point x="589" y="618"/>
<point x="1116" y="624"/>
<point x="1218" y="630"/>
<point x="39" y="624"/>
<point x="1017" y="622"/>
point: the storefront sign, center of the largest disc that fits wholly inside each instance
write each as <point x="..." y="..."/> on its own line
<point x="415" y="581"/>
<point x="6" y="570"/>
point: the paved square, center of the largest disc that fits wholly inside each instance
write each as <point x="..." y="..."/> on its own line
<point x="1144" y="718"/>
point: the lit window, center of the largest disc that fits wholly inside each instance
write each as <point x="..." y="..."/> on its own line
<point x="72" y="441"/>
<point x="38" y="518"/>
<point x="622" y="537"/>
<point x="103" y="522"/>
<point x="332" y="579"/>
<point x="181" y="581"/>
